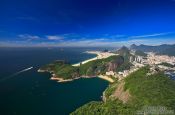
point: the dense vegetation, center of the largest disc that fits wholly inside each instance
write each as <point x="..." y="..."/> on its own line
<point x="153" y="90"/>
<point x="110" y="90"/>
<point x="111" y="107"/>
<point x="157" y="89"/>
<point x="93" y="68"/>
<point x="65" y="70"/>
<point x="62" y="69"/>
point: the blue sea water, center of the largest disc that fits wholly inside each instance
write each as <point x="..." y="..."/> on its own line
<point x="32" y="93"/>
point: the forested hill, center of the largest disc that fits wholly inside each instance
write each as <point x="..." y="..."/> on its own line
<point x="135" y="94"/>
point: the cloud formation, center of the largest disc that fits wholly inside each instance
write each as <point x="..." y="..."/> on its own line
<point x="66" y="40"/>
<point x="29" y="37"/>
<point x="107" y="43"/>
<point x="151" y="35"/>
<point x="87" y="43"/>
<point x="54" y="37"/>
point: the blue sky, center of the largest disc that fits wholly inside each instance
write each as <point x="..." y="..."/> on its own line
<point x="86" y="22"/>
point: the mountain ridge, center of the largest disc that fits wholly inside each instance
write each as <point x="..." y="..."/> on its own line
<point x="164" y="49"/>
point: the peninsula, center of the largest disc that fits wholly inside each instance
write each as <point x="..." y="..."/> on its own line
<point x="100" y="55"/>
<point x="63" y="71"/>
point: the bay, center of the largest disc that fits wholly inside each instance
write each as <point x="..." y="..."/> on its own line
<point x="32" y="93"/>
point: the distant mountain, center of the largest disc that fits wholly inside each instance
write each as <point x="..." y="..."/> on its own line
<point x="140" y="53"/>
<point x="161" y="49"/>
<point x="123" y="51"/>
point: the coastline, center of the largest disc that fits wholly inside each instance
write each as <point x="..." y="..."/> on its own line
<point x="58" y="79"/>
<point x="100" y="55"/>
<point x="88" y="60"/>
<point x="104" y="77"/>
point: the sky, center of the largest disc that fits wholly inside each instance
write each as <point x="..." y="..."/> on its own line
<point x="86" y="23"/>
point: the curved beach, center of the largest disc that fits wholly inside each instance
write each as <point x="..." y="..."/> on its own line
<point x="106" y="78"/>
<point x="100" y="55"/>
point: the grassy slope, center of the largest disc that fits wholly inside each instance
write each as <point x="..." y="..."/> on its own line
<point x="145" y="90"/>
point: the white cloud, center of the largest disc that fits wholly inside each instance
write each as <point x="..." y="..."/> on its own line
<point x="29" y="37"/>
<point x="50" y="37"/>
<point x="87" y="43"/>
<point x="151" y="35"/>
<point x="108" y="43"/>
<point x="63" y="41"/>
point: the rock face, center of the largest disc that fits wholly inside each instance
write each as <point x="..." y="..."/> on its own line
<point x="103" y="66"/>
<point x="112" y="66"/>
<point x="121" y="94"/>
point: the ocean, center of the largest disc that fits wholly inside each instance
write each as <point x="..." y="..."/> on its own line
<point x="32" y="93"/>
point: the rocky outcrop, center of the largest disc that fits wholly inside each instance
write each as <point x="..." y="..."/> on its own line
<point x="112" y="66"/>
<point x="120" y="94"/>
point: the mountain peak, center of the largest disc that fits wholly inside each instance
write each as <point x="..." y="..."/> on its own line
<point x="123" y="50"/>
<point x="133" y="46"/>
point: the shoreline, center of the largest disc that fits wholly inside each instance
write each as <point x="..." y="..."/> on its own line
<point x="104" y="77"/>
<point x="100" y="55"/>
<point x="88" y="60"/>
<point x="59" y="79"/>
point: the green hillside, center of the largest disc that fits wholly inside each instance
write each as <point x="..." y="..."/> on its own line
<point x="145" y="91"/>
<point x="93" y="68"/>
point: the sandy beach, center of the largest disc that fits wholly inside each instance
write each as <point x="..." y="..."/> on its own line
<point x="100" y="55"/>
<point x="106" y="78"/>
<point x="60" y="79"/>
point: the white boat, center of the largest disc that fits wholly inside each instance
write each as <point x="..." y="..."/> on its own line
<point x="28" y="69"/>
